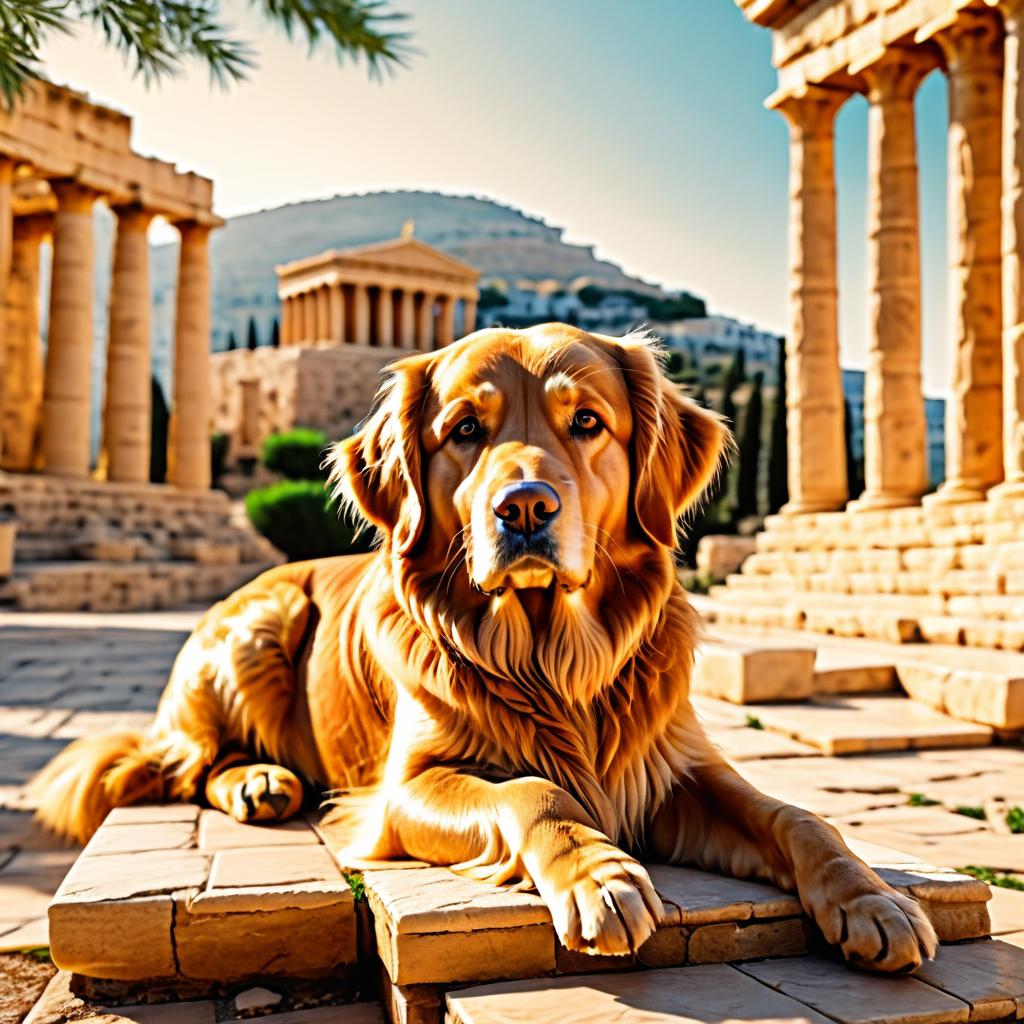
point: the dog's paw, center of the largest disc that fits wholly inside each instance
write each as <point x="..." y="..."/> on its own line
<point x="263" y="792"/>
<point x="880" y="929"/>
<point x="610" y="907"/>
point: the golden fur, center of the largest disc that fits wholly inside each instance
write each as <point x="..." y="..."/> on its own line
<point x="513" y="704"/>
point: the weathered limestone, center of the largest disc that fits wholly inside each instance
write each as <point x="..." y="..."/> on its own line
<point x="21" y="400"/>
<point x="972" y="46"/>
<point x="126" y="420"/>
<point x="406" y="328"/>
<point x="6" y="233"/>
<point x="384" y="328"/>
<point x="425" y="339"/>
<point x="895" y="467"/>
<point x="469" y="316"/>
<point x="188" y="461"/>
<point x="66" y="390"/>
<point x="814" y="395"/>
<point x="745" y="674"/>
<point x="336" y="314"/>
<point x="360" y="315"/>
<point x="446" y="322"/>
<point x="1013" y="251"/>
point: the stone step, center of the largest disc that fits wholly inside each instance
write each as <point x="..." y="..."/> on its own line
<point x="978" y="981"/>
<point x="105" y="586"/>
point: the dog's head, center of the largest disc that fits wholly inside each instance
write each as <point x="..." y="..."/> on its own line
<point x="530" y="466"/>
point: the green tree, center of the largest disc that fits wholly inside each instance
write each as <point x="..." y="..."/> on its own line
<point x="778" y="455"/>
<point x="159" y="417"/>
<point x="252" y="340"/>
<point x="275" y="334"/>
<point x="749" y="454"/>
<point x="232" y="343"/>
<point x="156" y="38"/>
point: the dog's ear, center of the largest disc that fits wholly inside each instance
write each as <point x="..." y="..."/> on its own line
<point x="677" y="446"/>
<point x="378" y="469"/>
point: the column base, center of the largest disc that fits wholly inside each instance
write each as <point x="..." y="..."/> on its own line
<point x="869" y="502"/>
<point x="1008" y="490"/>
<point x="955" y="492"/>
<point x="805" y="506"/>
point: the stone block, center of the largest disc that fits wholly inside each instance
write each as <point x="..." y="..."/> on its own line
<point x="729" y="942"/>
<point x="272" y="866"/>
<point x="694" y="897"/>
<point x="988" y="976"/>
<point x="8" y="530"/>
<point x="219" y="831"/>
<point x="745" y="673"/>
<point x="720" y="555"/>
<point x="138" y="838"/>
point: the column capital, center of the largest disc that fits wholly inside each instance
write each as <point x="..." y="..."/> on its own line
<point x="813" y="109"/>
<point x="972" y="41"/>
<point x="193" y="229"/>
<point x="132" y="216"/>
<point x="72" y="195"/>
<point x="33" y="225"/>
<point x="897" y="73"/>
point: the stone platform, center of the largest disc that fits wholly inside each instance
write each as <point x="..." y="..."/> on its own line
<point x="85" y="545"/>
<point x="943" y="573"/>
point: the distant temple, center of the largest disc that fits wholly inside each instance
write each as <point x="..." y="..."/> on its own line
<point x="344" y="315"/>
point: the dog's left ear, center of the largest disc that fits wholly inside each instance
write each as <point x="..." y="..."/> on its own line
<point x="677" y="445"/>
<point x="378" y="469"/>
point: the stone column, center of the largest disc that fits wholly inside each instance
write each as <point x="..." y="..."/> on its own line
<point x="323" y="313"/>
<point x="1013" y="252"/>
<point x="188" y="460"/>
<point x="6" y="244"/>
<point x="406" y="333"/>
<point x="126" y="414"/>
<point x="446" y="321"/>
<point x="67" y="391"/>
<point x="385" y="318"/>
<point x="337" y="313"/>
<point x="360" y="315"/>
<point x="814" y="386"/>
<point x="974" y="441"/>
<point x="22" y="378"/>
<point x="425" y="323"/>
<point x="895" y="446"/>
<point x="287" y="321"/>
<point x="468" y="316"/>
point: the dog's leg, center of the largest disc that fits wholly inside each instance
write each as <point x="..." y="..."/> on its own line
<point x="253" y="792"/>
<point x="600" y="898"/>
<point x="718" y="821"/>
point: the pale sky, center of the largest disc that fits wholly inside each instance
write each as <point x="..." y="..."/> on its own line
<point x="637" y="126"/>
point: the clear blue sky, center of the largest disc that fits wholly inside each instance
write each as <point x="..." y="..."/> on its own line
<point x="638" y="126"/>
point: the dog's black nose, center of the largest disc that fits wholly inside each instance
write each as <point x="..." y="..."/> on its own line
<point x="526" y="507"/>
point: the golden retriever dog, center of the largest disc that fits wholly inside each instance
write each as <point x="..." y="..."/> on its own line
<point x="506" y="677"/>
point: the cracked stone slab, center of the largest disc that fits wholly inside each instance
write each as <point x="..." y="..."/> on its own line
<point x="988" y="976"/>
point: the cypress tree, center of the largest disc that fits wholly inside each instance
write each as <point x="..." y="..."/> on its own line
<point x="232" y="344"/>
<point x="275" y="334"/>
<point x="159" y="417"/>
<point x="252" y="341"/>
<point x="778" y="458"/>
<point x="749" y="458"/>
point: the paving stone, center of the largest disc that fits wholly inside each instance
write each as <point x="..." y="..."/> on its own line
<point x="28" y="935"/>
<point x="987" y="849"/>
<point x="696" y="897"/>
<point x="219" y="831"/>
<point x="269" y="897"/>
<point x="916" y="821"/>
<point x="856" y="724"/>
<point x="191" y="1012"/>
<point x="118" y="876"/>
<point x="854" y="678"/>
<point x="747" y="674"/>
<point x="855" y="997"/>
<point x="1006" y="909"/>
<point x="728" y="942"/>
<point x="138" y="838"/>
<point x="354" y="1013"/>
<point x="988" y="975"/>
<point x="746" y="744"/>
<point x="146" y="814"/>
<point x="411" y="1004"/>
<point x="272" y="865"/>
<point x="685" y="995"/>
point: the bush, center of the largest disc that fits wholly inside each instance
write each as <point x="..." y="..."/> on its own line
<point x="296" y="454"/>
<point x="300" y="518"/>
<point x="219" y="442"/>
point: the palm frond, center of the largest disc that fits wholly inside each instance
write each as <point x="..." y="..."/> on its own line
<point x="24" y="25"/>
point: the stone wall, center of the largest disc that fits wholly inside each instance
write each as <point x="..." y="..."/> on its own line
<point x="327" y="388"/>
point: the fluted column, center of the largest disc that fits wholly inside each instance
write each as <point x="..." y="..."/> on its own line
<point x="337" y="313"/>
<point x="406" y="333"/>
<point x="974" y="439"/>
<point x="385" y="317"/>
<point x="323" y="313"/>
<point x="67" y="390"/>
<point x="22" y="377"/>
<point x="425" y="323"/>
<point x="446" y="321"/>
<point x="188" y="459"/>
<point x="126" y="414"/>
<point x="287" y="321"/>
<point x="1013" y="251"/>
<point x="360" y="315"/>
<point x="895" y="446"/>
<point x="814" y="387"/>
<point x="468" y="316"/>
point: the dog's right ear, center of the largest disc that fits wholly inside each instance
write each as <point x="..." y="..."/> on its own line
<point x="378" y="469"/>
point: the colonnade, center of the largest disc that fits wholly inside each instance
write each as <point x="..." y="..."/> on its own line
<point x="376" y="315"/>
<point x="981" y="52"/>
<point x="45" y="406"/>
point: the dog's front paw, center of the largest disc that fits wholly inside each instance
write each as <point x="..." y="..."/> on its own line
<point x="607" y="905"/>
<point x="263" y="792"/>
<point x="876" y="927"/>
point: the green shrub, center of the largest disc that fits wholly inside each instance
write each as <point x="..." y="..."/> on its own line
<point x="218" y="454"/>
<point x="300" y="518"/>
<point x="296" y="454"/>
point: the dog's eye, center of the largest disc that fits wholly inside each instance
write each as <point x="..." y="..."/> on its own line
<point x="468" y="430"/>
<point x="585" y="423"/>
